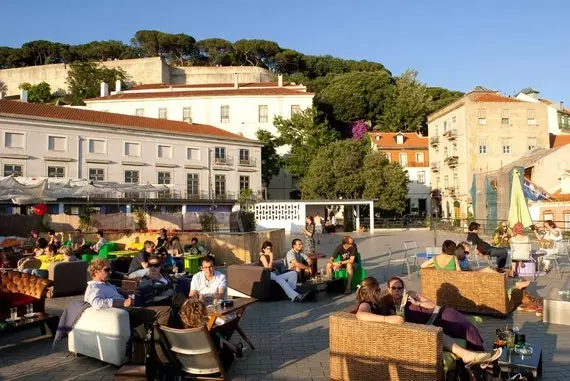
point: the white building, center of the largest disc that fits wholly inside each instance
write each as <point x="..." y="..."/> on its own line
<point x="558" y="116"/>
<point x="198" y="162"/>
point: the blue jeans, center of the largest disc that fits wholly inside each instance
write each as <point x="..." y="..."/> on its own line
<point x="37" y="272"/>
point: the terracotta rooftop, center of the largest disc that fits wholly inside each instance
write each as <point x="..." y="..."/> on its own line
<point x="388" y="140"/>
<point x="492" y="97"/>
<point x="150" y="86"/>
<point x="559" y="140"/>
<point x="548" y="102"/>
<point x="275" y="91"/>
<point x="106" y="119"/>
<point x="559" y="196"/>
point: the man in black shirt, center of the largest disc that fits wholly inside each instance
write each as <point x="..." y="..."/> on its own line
<point x="140" y="261"/>
<point x="346" y="252"/>
<point x="485" y="248"/>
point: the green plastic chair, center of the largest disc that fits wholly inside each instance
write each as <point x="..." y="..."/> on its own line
<point x="357" y="277"/>
<point x="103" y="252"/>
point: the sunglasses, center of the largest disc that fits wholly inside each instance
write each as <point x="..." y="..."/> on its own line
<point x="155" y="265"/>
<point x="396" y="288"/>
<point x="107" y="269"/>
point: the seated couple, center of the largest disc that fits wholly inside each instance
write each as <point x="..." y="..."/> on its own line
<point x="401" y="305"/>
<point x="47" y="255"/>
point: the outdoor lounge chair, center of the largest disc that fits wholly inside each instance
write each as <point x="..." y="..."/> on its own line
<point x="192" y="353"/>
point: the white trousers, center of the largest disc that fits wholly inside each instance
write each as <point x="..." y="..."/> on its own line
<point x="287" y="281"/>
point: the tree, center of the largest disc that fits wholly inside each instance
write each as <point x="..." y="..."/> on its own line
<point x="349" y="169"/>
<point x="288" y="61"/>
<point x="216" y="51"/>
<point x="271" y="162"/>
<point x="354" y="96"/>
<point x="40" y="93"/>
<point x="306" y="134"/>
<point x="386" y="182"/>
<point x="441" y="97"/>
<point x="100" y="51"/>
<point x="407" y="107"/>
<point x="256" y="53"/>
<point x="42" y="52"/>
<point x="3" y="88"/>
<point x="84" y="80"/>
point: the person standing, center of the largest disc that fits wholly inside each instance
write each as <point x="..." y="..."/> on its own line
<point x="309" y="232"/>
<point x="318" y="228"/>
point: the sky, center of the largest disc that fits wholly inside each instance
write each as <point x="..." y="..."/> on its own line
<point x="503" y="44"/>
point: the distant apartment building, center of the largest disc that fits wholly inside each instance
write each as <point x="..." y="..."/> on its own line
<point x="558" y="115"/>
<point x="480" y="132"/>
<point x="410" y="150"/>
<point x="240" y="108"/>
<point x="200" y="164"/>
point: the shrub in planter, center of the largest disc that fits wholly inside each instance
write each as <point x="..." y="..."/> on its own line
<point x="208" y="222"/>
<point x="242" y="221"/>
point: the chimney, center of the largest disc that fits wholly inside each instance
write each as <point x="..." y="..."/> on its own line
<point x="2" y="95"/>
<point x="23" y="95"/>
<point x="104" y="89"/>
<point x="236" y="81"/>
<point x="118" y="85"/>
<point x="280" y="80"/>
<point x="561" y="105"/>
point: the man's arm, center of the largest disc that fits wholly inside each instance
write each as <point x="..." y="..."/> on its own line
<point x="222" y="287"/>
<point x="335" y="253"/>
<point x="194" y="293"/>
<point x="92" y="296"/>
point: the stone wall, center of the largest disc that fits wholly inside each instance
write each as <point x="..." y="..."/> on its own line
<point x="220" y="74"/>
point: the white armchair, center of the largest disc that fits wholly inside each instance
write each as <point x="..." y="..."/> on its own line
<point x="102" y="334"/>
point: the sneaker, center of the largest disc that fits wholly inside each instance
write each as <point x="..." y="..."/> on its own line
<point x="539" y="311"/>
<point x="239" y="350"/>
<point x="301" y="297"/>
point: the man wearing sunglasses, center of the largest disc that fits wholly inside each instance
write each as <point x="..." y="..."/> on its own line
<point x="346" y="252"/>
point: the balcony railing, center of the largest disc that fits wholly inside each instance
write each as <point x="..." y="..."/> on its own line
<point x="247" y="162"/>
<point x="451" y="191"/>
<point x="225" y="160"/>
<point x="434" y="141"/>
<point x="451" y="134"/>
<point x="452" y="161"/>
<point x="435" y="166"/>
<point x="171" y="194"/>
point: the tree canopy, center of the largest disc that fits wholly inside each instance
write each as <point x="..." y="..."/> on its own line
<point x="40" y="93"/>
<point x="84" y="80"/>
<point x="270" y="160"/>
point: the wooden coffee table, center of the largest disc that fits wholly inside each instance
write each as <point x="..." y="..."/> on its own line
<point x="238" y="308"/>
<point x="44" y="321"/>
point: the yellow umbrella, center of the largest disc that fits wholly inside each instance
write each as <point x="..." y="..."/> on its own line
<point x="518" y="209"/>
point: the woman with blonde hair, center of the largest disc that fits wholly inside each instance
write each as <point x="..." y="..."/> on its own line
<point x="400" y="305"/>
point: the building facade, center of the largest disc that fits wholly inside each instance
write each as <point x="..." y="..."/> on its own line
<point x="480" y="132"/>
<point x="198" y="163"/>
<point x="558" y="115"/>
<point x="411" y="151"/>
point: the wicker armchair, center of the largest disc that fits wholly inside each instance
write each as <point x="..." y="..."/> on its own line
<point x="470" y="291"/>
<point x="373" y="351"/>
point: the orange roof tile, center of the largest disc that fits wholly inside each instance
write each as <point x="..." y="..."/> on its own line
<point x="549" y="102"/>
<point x="277" y="91"/>
<point x="149" y="86"/>
<point x="388" y="140"/>
<point x="559" y="140"/>
<point x="106" y="119"/>
<point x="559" y="196"/>
<point x="492" y="97"/>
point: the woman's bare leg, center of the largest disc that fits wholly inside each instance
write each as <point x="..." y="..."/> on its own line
<point x="464" y="354"/>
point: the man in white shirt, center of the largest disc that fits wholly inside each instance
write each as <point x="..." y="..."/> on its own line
<point x="208" y="283"/>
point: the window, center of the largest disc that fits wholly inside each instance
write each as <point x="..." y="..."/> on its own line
<point x="505" y="121"/>
<point x="404" y="159"/>
<point x="187" y="114"/>
<point x="12" y="169"/>
<point x="132" y="149"/>
<point x="243" y="182"/>
<point x="295" y="109"/>
<point x="531" y="118"/>
<point x="455" y="181"/>
<point x="220" y="186"/>
<point x="436" y="131"/>
<point x="482" y="121"/>
<point x="437" y="181"/>
<point x="225" y="114"/>
<point x="506" y="143"/>
<point x="531" y="142"/>
<point x="454" y="149"/>
<point x="388" y="156"/>
<point x="164" y="151"/>
<point x="566" y="221"/>
<point x="96" y="146"/>
<point x="419" y="157"/>
<point x="446" y="181"/>
<point x="482" y="146"/>
<point x="444" y="127"/>
<point x="192" y="153"/>
<point x="445" y="154"/>
<point x="131" y="177"/>
<point x="57" y="143"/>
<point x="453" y="119"/>
<point x="219" y="155"/>
<point x="56" y="171"/>
<point x="14" y="140"/>
<point x="263" y="114"/>
<point x="192" y="185"/>
<point x="421" y="177"/>
<point x="244" y="156"/>
<point x="139" y="112"/>
<point x="164" y="178"/>
<point x="96" y="174"/>
<point x="162" y="113"/>
<point x="505" y="117"/>
<point x="547" y="216"/>
<point x="482" y="117"/>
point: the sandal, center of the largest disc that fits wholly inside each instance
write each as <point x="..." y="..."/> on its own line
<point x="485" y="358"/>
<point x="239" y="350"/>
<point x="494" y="357"/>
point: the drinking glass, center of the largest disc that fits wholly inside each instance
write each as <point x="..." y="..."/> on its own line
<point x="29" y="309"/>
<point x="510" y="341"/>
<point x="13" y="313"/>
<point x="400" y="311"/>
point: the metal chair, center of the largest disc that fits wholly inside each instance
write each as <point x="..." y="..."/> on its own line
<point x="521" y="252"/>
<point x="411" y="251"/>
<point x="404" y="261"/>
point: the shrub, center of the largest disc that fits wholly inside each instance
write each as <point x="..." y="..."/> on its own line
<point x="209" y="222"/>
<point x="242" y="221"/>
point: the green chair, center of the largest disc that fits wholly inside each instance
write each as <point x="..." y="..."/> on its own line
<point x="192" y="263"/>
<point x="103" y="252"/>
<point x="357" y="277"/>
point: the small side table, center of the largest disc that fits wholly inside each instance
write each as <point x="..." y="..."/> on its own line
<point x="315" y="257"/>
<point x="531" y="365"/>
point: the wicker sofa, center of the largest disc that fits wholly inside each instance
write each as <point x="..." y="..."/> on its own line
<point x="382" y="351"/>
<point x="18" y="289"/>
<point x="253" y="281"/>
<point x="470" y="291"/>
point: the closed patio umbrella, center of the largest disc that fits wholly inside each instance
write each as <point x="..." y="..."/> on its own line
<point x="518" y="208"/>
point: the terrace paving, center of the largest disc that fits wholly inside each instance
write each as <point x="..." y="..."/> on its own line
<point x="291" y="339"/>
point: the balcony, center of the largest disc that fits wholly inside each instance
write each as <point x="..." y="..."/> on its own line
<point x="451" y="134"/>
<point x="450" y="191"/>
<point x="452" y="161"/>
<point x="434" y="166"/>
<point x="251" y="162"/>
<point x="434" y="141"/>
<point x="223" y="161"/>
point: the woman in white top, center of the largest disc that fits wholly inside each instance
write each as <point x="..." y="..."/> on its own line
<point x="550" y="234"/>
<point x="518" y="237"/>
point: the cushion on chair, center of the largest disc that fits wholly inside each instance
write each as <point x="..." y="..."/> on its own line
<point x="357" y="277"/>
<point x="16" y="299"/>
